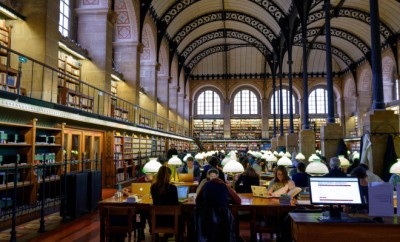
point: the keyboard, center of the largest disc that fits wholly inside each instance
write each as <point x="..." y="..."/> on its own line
<point x="345" y="220"/>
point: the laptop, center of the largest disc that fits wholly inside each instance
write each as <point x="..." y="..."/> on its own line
<point x="259" y="191"/>
<point x="183" y="192"/>
<point x="184" y="177"/>
<point x="140" y="188"/>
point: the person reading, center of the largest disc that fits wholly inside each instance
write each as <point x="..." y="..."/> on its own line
<point x="281" y="184"/>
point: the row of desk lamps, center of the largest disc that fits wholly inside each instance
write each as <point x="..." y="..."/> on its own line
<point x="232" y="166"/>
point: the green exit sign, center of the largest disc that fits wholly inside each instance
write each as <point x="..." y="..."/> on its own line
<point x="22" y="59"/>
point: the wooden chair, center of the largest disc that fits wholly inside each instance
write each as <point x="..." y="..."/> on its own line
<point x="120" y="220"/>
<point x="162" y="226"/>
<point x="267" y="220"/>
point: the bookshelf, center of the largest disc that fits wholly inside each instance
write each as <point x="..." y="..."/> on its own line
<point x="208" y="128"/>
<point x="69" y="87"/>
<point x="8" y="75"/>
<point x="117" y="111"/>
<point x="30" y="146"/>
<point x="246" y="128"/>
<point x="286" y="124"/>
<point x="316" y="123"/>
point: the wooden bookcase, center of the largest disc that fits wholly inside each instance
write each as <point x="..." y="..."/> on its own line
<point x="30" y="145"/>
<point x="8" y="75"/>
<point x="117" y="111"/>
<point x="69" y="89"/>
<point x="209" y="128"/>
<point x="246" y="128"/>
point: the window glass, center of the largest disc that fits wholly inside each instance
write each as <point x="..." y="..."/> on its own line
<point x="208" y="103"/>
<point x="63" y="25"/>
<point x="245" y="102"/>
<point x="318" y="101"/>
<point x="285" y="101"/>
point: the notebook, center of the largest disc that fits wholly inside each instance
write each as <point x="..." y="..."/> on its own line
<point x="183" y="192"/>
<point x="140" y="188"/>
<point x="259" y="191"/>
<point x="184" y="177"/>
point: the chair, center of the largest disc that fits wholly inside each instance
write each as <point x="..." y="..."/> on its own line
<point x="165" y="219"/>
<point x="120" y="220"/>
<point x="268" y="220"/>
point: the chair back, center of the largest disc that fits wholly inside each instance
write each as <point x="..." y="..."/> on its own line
<point x="120" y="220"/>
<point x="165" y="219"/>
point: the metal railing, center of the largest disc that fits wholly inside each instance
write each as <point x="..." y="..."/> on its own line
<point x="25" y="76"/>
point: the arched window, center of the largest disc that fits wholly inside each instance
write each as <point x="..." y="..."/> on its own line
<point x="208" y="103"/>
<point x="318" y="101"/>
<point x="64" y="21"/>
<point x="245" y="102"/>
<point x="285" y="101"/>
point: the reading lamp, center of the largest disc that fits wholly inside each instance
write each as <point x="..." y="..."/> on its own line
<point x="288" y="155"/>
<point x="284" y="161"/>
<point x="270" y="159"/>
<point x="152" y="166"/>
<point x="174" y="161"/>
<point x="356" y="155"/>
<point x="395" y="168"/>
<point x="186" y="156"/>
<point x="200" y="158"/>
<point x="300" y="157"/>
<point x="343" y="161"/>
<point x="317" y="168"/>
<point x="313" y="157"/>
<point x="233" y="167"/>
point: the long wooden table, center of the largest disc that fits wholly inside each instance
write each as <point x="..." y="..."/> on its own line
<point x="307" y="228"/>
<point x="248" y="203"/>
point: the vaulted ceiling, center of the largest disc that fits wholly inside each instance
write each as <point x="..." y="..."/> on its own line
<point x="241" y="36"/>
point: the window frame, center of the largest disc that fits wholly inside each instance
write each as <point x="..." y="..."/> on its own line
<point x="295" y="103"/>
<point x="215" y="93"/>
<point x="62" y="27"/>
<point x="325" y="114"/>
<point x="250" y="115"/>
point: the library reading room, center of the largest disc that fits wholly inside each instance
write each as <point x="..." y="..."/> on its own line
<point x="199" y="120"/>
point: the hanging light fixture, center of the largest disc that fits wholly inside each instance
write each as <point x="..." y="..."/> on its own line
<point x="343" y="161"/>
<point x="152" y="166"/>
<point x="317" y="168"/>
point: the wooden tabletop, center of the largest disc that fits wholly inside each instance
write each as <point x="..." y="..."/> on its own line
<point x="247" y="200"/>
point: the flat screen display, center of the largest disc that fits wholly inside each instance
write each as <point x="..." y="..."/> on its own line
<point x="335" y="190"/>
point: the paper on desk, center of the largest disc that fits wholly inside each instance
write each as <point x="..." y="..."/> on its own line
<point x="380" y="199"/>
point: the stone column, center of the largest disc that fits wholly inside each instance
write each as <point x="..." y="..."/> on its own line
<point x="162" y="90"/>
<point x="95" y="33"/>
<point x="330" y="136"/>
<point x="292" y="142"/>
<point x="127" y="61"/>
<point x="264" y="118"/>
<point x="227" y="118"/>
<point x="181" y="106"/>
<point x="37" y="37"/>
<point x="274" y="143"/>
<point x="148" y="81"/>
<point x="380" y="124"/>
<point x="307" y="142"/>
<point x="281" y="143"/>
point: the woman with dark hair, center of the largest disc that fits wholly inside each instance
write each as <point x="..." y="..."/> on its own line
<point x="281" y="184"/>
<point x="162" y="192"/>
<point x="249" y="177"/>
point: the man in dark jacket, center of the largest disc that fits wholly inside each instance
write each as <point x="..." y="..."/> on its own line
<point x="191" y="168"/>
<point x="335" y="171"/>
<point x="214" y="220"/>
<point x="172" y="151"/>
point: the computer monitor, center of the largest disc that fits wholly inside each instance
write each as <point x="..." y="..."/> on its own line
<point x="335" y="191"/>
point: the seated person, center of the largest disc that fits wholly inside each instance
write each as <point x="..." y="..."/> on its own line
<point x="356" y="163"/>
<point x="361" y="174"/>
<point x="371" y="176"/>
<point x="191" y="168"/>
<point x="335" y="170"/>
<point x="213" y="217"/>
<point x="213" y="163"/>
<point x="211" y="174"/>
<point x="281" y="184"/>
<point x="259" y="165"/>
<point x="300" y="179"/>
<point x="249" y="177"/>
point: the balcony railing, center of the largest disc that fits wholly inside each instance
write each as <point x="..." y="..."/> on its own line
<point x="25" y="76"/>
